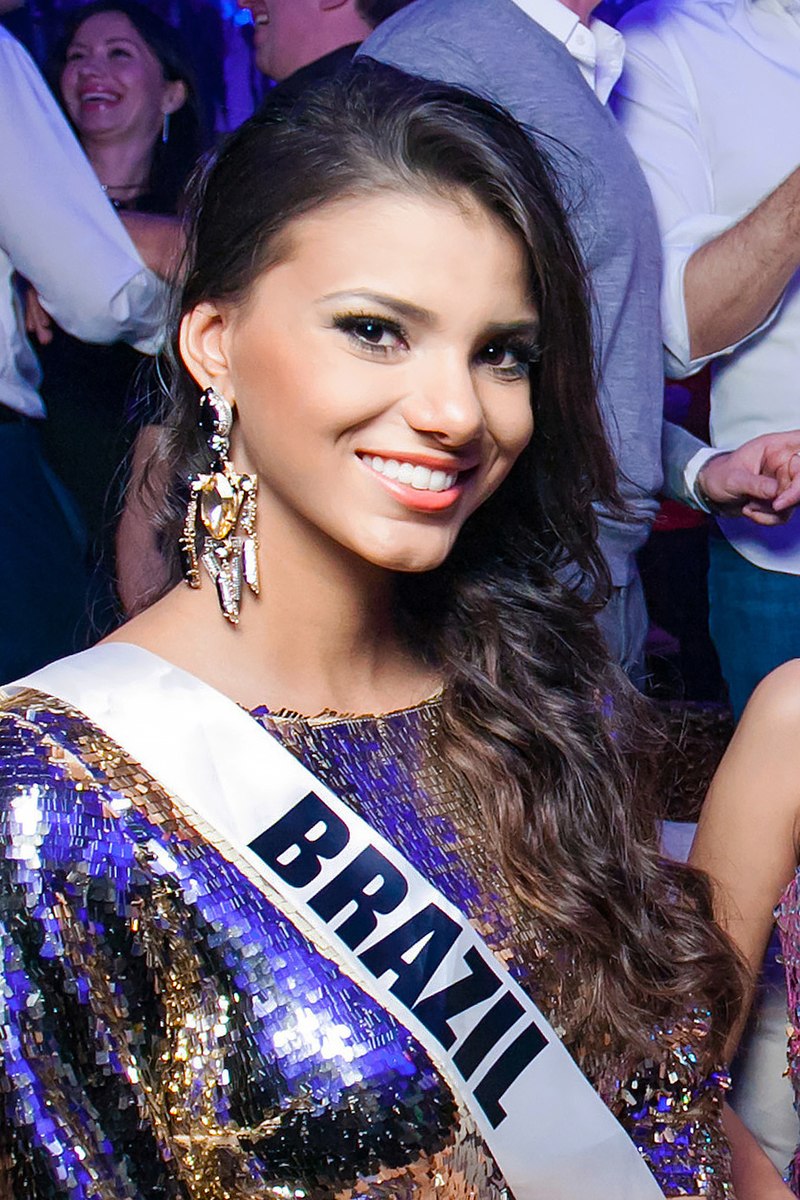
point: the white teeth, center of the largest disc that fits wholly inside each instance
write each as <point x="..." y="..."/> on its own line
<point x="422" y="479"/>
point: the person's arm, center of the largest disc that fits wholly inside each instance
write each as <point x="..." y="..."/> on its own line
<point x="754" y="1176"/>
<point x="759" y="480"/>
<point x="746" y="841"/>
<point x="56" y="225"/>
<point x="656" y="105"/>
<point x="733" y="282"/>
<point x="159" y="239"/>
<point x="140" y="569"/>
<point x="747" y="835"/>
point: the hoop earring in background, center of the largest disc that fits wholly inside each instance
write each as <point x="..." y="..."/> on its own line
<point x="219" y="502"/>
<point x="165" y="128"/>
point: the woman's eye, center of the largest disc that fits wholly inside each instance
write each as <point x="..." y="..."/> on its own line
<point x="511" y="361"/>
<point x="118" y="52"/>
<point x="372" y="333"/>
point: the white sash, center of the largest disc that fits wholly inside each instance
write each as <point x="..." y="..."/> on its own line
<point x="397" y="937"/>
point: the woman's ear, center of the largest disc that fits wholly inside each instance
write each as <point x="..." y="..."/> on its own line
<point x="202" y="347"/>
<point x="175" y="96"/>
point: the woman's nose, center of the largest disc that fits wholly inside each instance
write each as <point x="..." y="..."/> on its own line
<point x="88" y="67"/>
<point x="445" y="403"/>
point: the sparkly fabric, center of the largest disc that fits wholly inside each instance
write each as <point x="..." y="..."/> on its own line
<point x="386" y="769"/>
<point x="166" y="1032"/>
<point x="788" y="918"/>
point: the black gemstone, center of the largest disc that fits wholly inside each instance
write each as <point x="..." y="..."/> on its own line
<point x="209" y="417"/>
<point x="187" y="566"/>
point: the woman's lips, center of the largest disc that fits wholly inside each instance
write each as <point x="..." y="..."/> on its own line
<point x="421" y="483"/>
<point x="96" y="98"/>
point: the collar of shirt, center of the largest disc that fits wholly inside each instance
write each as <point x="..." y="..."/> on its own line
<point x="597" y="48"/>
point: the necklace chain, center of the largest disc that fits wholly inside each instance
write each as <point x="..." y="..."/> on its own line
<point x="122" y="187"/>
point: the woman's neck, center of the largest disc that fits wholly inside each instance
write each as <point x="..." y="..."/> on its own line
<point x="322" y="635"/>
<point x="123" y="167"/>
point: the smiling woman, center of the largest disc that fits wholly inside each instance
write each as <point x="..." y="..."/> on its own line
<point x="311" y="890"/>
<point x="128" y="91"/>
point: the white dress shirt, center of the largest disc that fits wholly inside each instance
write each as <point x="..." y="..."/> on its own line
<point x="597" y="48"/>
<point x="59" y="231"/>
<point x="709" y="99"/>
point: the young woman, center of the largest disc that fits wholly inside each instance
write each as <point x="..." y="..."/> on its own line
<point x="312" y="872"/>
<point x="748" y="839"/>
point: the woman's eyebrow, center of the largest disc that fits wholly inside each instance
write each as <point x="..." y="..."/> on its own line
<point x="527" y="328"/>
<point x="402" y="308"/>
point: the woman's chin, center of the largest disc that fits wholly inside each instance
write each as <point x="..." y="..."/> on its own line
<point x="409" y="560"/>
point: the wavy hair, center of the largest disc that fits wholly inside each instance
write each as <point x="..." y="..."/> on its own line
<point x="537" y="722"/>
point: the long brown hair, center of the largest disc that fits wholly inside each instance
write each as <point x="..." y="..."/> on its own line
<point x="537" y="722"/>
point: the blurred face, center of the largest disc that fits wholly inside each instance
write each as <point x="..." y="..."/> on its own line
<point x="287" y="34"/>
<point x="380" y="373"/>
<point x="113" y="85"/>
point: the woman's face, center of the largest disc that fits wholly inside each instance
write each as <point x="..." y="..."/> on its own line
<point x="380" y="373"/>
<point x="113" y="84"/>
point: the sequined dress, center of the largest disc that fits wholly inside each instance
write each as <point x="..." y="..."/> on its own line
<point x="788" y="920"/>
<point x="168" y="1033"/>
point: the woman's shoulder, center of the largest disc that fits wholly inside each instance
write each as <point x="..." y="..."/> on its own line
<point x="41" y="740"/>
<point x="776" y="703"/>
<point x="749" y="830"/>
<point x="28" y="711"/>
<point x="46" y="744"/>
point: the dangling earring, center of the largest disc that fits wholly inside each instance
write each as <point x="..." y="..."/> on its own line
<point x="165" y="128"/>
<point x="218" y="503"/>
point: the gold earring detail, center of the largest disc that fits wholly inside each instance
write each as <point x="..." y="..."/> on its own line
<point x="220" y="503"/>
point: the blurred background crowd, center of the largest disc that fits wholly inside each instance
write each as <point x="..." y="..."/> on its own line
<point x="203" y="67"/>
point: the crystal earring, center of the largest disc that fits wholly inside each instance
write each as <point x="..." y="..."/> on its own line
<point x="218" y="503"/>
<point x="165" y="128"/>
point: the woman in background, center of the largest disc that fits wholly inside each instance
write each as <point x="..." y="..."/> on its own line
<point x="748" y="840"/>
<point x="126" y="85"/>
<point x="127" y="88"/>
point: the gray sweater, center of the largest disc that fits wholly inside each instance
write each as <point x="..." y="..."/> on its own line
<point x="494" y="48"/>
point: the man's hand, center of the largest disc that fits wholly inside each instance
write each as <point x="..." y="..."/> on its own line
<point x="38" y="323"/>
<point x="759" y="480"/>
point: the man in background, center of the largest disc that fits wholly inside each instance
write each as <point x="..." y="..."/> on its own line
<point x="301" y="43"/>
<point x="709" y="100"/>
<point x="553" y="65"/>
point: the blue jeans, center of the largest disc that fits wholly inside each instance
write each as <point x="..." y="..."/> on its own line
<point x="42" y="568"/>
<point x="754" y="619"/>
